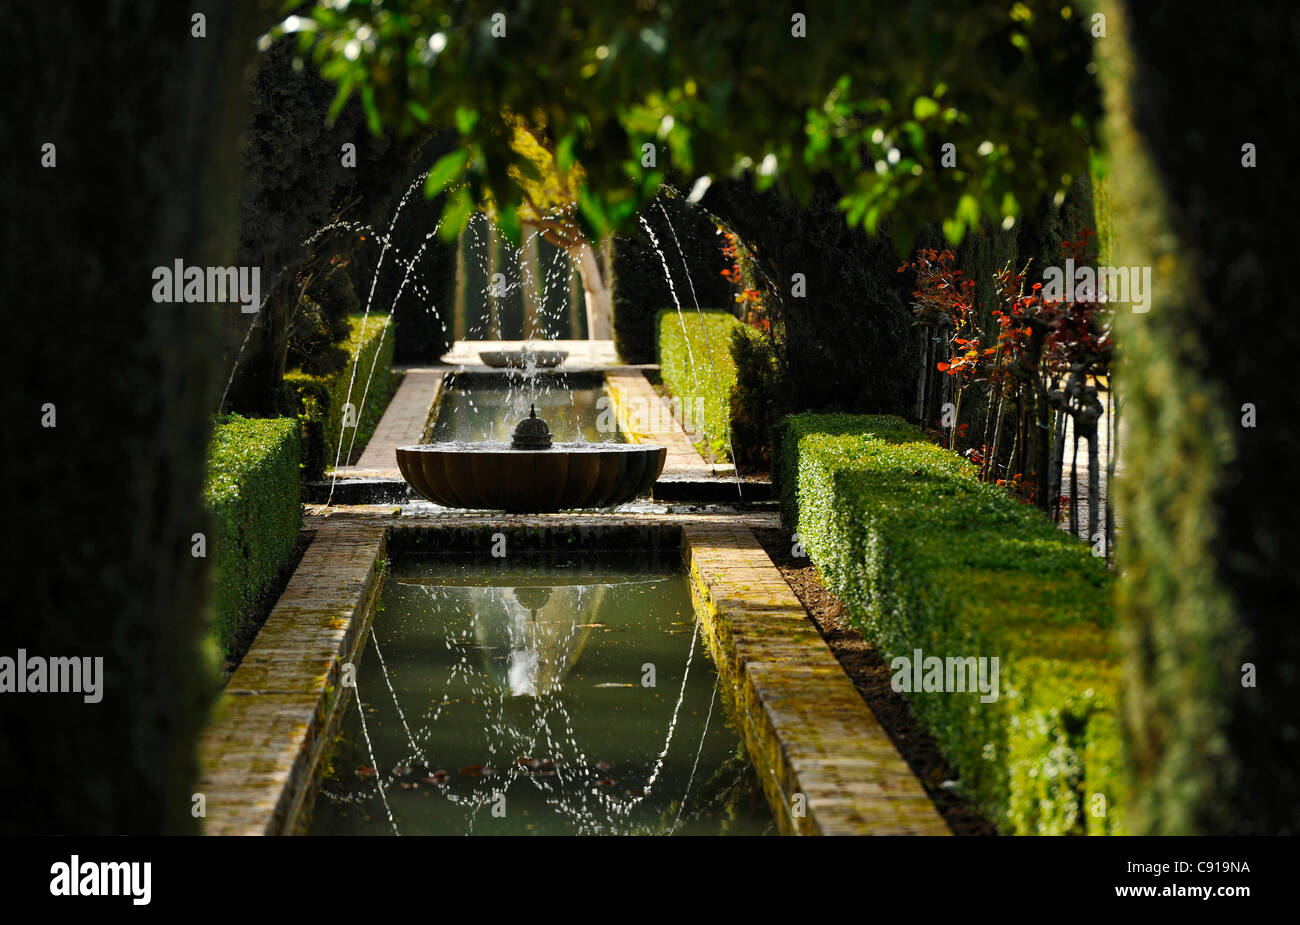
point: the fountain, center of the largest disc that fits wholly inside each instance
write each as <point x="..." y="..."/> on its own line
<point x="531" y="474"/>
<point x="523" y="359"/>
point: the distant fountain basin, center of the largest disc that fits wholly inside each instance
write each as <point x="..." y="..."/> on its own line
<point x="523" y="359"/>
<point x="495" y="476"/>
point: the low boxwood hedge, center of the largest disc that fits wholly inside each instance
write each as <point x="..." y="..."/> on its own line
<point x="759" y="398"/>
<point x="708" y="336"/>
<point x="252" y="492"/>
<point x="322" y="399"/>
<point x="924" y="556"/>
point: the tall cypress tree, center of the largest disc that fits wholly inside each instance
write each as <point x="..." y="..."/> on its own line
<point x="145" y="117"/>
<point x="1210" y="569"/>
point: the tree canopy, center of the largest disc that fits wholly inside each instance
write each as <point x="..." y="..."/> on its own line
<point x="724" y="88"/>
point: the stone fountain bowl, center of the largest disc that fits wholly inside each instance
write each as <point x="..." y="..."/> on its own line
<point x="520" y="359"/>
<point x="493" y="476"/>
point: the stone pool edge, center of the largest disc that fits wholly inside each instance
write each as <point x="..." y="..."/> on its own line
<point x="276" y="717"/>
<point x="825" y="763"/>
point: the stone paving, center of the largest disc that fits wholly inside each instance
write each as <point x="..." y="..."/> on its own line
<point x="826" y="764"/>
<point x="259" y="755"/>
<point x="644" y="417"/>
<point x="402" y="424"/>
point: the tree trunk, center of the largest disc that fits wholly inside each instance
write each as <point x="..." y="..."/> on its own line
<point x="1042" y="445"/>
<point x="528" y="279"/>
<point x="595" y="288"/>
<point x="1209" y="569"/>
<point x="1094" y="484"/>
<point x="113" y="494"/>
<point x="1112" y="446"/>
<point x="1056" y="466"/>
<point x="1074" y="476"/>
<point x="458" y="310"/>
<point x="494" y="292"/>
<point x="575" y="306"/>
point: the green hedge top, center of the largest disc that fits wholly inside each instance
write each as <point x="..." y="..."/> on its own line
<point x="322" y="398"/>
<point x="708" y="336"/>
<point x="926" y="557"/>
<point x="252" y="492"/>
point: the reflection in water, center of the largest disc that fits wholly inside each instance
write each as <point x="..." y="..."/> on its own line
<point x="514" y="699"/>
<point x="539" y="629"/>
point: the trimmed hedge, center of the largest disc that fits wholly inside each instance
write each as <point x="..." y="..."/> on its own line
<point x="321" y="399"/>
<point x="708" y="338"/>
<point x="252" y="492"/>
<point x="759" y="396"/>
<point x="926" y="557"/>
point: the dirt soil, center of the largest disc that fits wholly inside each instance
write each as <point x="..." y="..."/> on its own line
<point x="871" y="676"/>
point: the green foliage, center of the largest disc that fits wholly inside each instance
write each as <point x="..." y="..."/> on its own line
<point x="719" y="89"/>
<point x="321" y="319"/>
<point x="926" y="557"/>
<point x="759" y="396"/>
<point x="252" y="492"/>
<point x="696" y="366"/>
<point x="848" y="342"/>
<point x="1207" y="541"/>
<point x="320" y="400"/>
<point x="313" y="282"/>
<point x="422" y="309"/>
<point x="640" y="287"/>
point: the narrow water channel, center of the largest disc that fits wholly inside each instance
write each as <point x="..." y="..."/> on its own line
<point x="538" y="695"/>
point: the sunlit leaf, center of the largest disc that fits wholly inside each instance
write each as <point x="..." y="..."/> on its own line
<point x="449" y="168"/>
<point x="924" y="107"/>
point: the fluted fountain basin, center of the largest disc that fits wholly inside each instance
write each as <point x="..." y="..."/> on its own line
<point x="522" y="359"/>
<point x="494" y="476"/>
